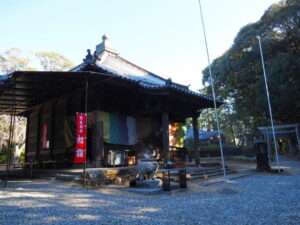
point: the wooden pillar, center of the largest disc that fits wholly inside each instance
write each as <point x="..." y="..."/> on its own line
<point x="196" y="140"/>
<point x="39" y="128"/>
<point x="52" y="130"/>
<point x="27" y="138"/>
<point x="166" y="142"/>
<point x="97" y="145"/>
<point x="102" y="158"/>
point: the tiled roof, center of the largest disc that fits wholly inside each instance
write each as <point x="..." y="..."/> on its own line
<point x="3" y="78"/>
<point x="107" y="59"/>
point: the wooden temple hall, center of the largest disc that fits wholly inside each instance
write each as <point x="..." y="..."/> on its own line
<point x="128" y="109"/>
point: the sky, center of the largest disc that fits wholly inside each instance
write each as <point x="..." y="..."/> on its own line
<point x="162" y="36"/>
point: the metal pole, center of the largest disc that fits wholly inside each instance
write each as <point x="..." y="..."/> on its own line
<point x="297" y="134"/>
<point x="268" y="146"/>
<point x="85" y="109"/>
<point x="213" y="92"/>
<point x="269" y="103"/>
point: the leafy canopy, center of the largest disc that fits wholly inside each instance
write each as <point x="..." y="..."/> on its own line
<point x="17" y="59"/>
<point x="51" y="61"/>
<point x="238" y="72"/>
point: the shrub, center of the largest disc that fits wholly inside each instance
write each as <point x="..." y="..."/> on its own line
<point x="228" y="150"/>
<point x="22" y="156"/>
<point x="4" y="151"/>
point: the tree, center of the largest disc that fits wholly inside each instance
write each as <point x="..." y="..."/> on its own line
<point x="16" y="59"/>
<point x="12" y="60"/>
<point x="51" y="61"/>
<point x="238" y="72"/>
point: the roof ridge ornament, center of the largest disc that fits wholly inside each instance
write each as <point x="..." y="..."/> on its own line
<point x="106" y="45"/>
<point x="104" y="37"/>
<point x="91" y="59"/>
<point x="169" y="82"/>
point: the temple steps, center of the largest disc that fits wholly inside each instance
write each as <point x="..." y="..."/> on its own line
<point x="193" y="173"/>
<point x="206" y="173"/>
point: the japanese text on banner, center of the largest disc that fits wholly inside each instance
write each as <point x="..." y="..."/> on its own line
<point x="80" y="152"/>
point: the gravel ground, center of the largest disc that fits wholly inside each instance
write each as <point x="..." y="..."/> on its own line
<point x="258" y="199"/>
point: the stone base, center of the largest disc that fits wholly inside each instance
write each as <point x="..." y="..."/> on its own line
<point x="263" y="168"/>
<point x="145" y="183"/>
<point x="145" y="191"/>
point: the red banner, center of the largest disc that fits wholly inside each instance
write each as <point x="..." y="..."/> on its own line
<point x="80" y="152"/>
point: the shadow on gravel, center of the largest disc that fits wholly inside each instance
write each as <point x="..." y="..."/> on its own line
<point x="45" y="202"/>
<point x="270" y="199"/>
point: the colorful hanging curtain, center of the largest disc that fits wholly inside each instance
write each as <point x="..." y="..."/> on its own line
<point x="132" y="132"/>
<point x="179" y="134"/>
<point x="114" y="128"/>
<point x="123" y="135"/>
<point x="91" y="118"/>
<point x="176" y="134"/>
<point x="70" y="131"/>
<point x="105" y="117"/>
<point x="147" y="127"/>
<point x="121" y="129"/>
<point x="139" y="129"/>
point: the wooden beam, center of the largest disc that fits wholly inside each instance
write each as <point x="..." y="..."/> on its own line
<point x="16" y="95"/>
<point x="10" y="104"/>
<point x="17" y="106"/>
<point x="11" y="99"/>
<point x="151" y="111"/>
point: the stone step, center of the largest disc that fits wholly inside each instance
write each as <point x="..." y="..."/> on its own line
<point x="65" y="177"/>
<point x="205" y="176"/>
<point x="210" y="164"/>
<point x="205" y="172"/>
<point x="54" y="172"/>
<point x="210" y="175"/>
<point x="199" y="172"/>
<point x="204" y="168"/>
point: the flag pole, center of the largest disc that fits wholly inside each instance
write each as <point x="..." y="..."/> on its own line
<point x="213" y="92"/>
<point x="85" y="109"/>
<point x="269" y="103"/>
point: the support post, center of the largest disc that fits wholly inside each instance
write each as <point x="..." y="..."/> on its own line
<point x="11" y="137"/>
<point x="97" y="143"/>
<point x="9" y="146"/>
<point x="102" y="159"/>
<point x="166" y="142"/>
<point x="85" y="109"/>
<point x="196" y="140"/>
<point x="38" y="138"/>
<point x="53" y="115"/>
<point x="269" y="103"/>
<point x="27" y="138"/>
